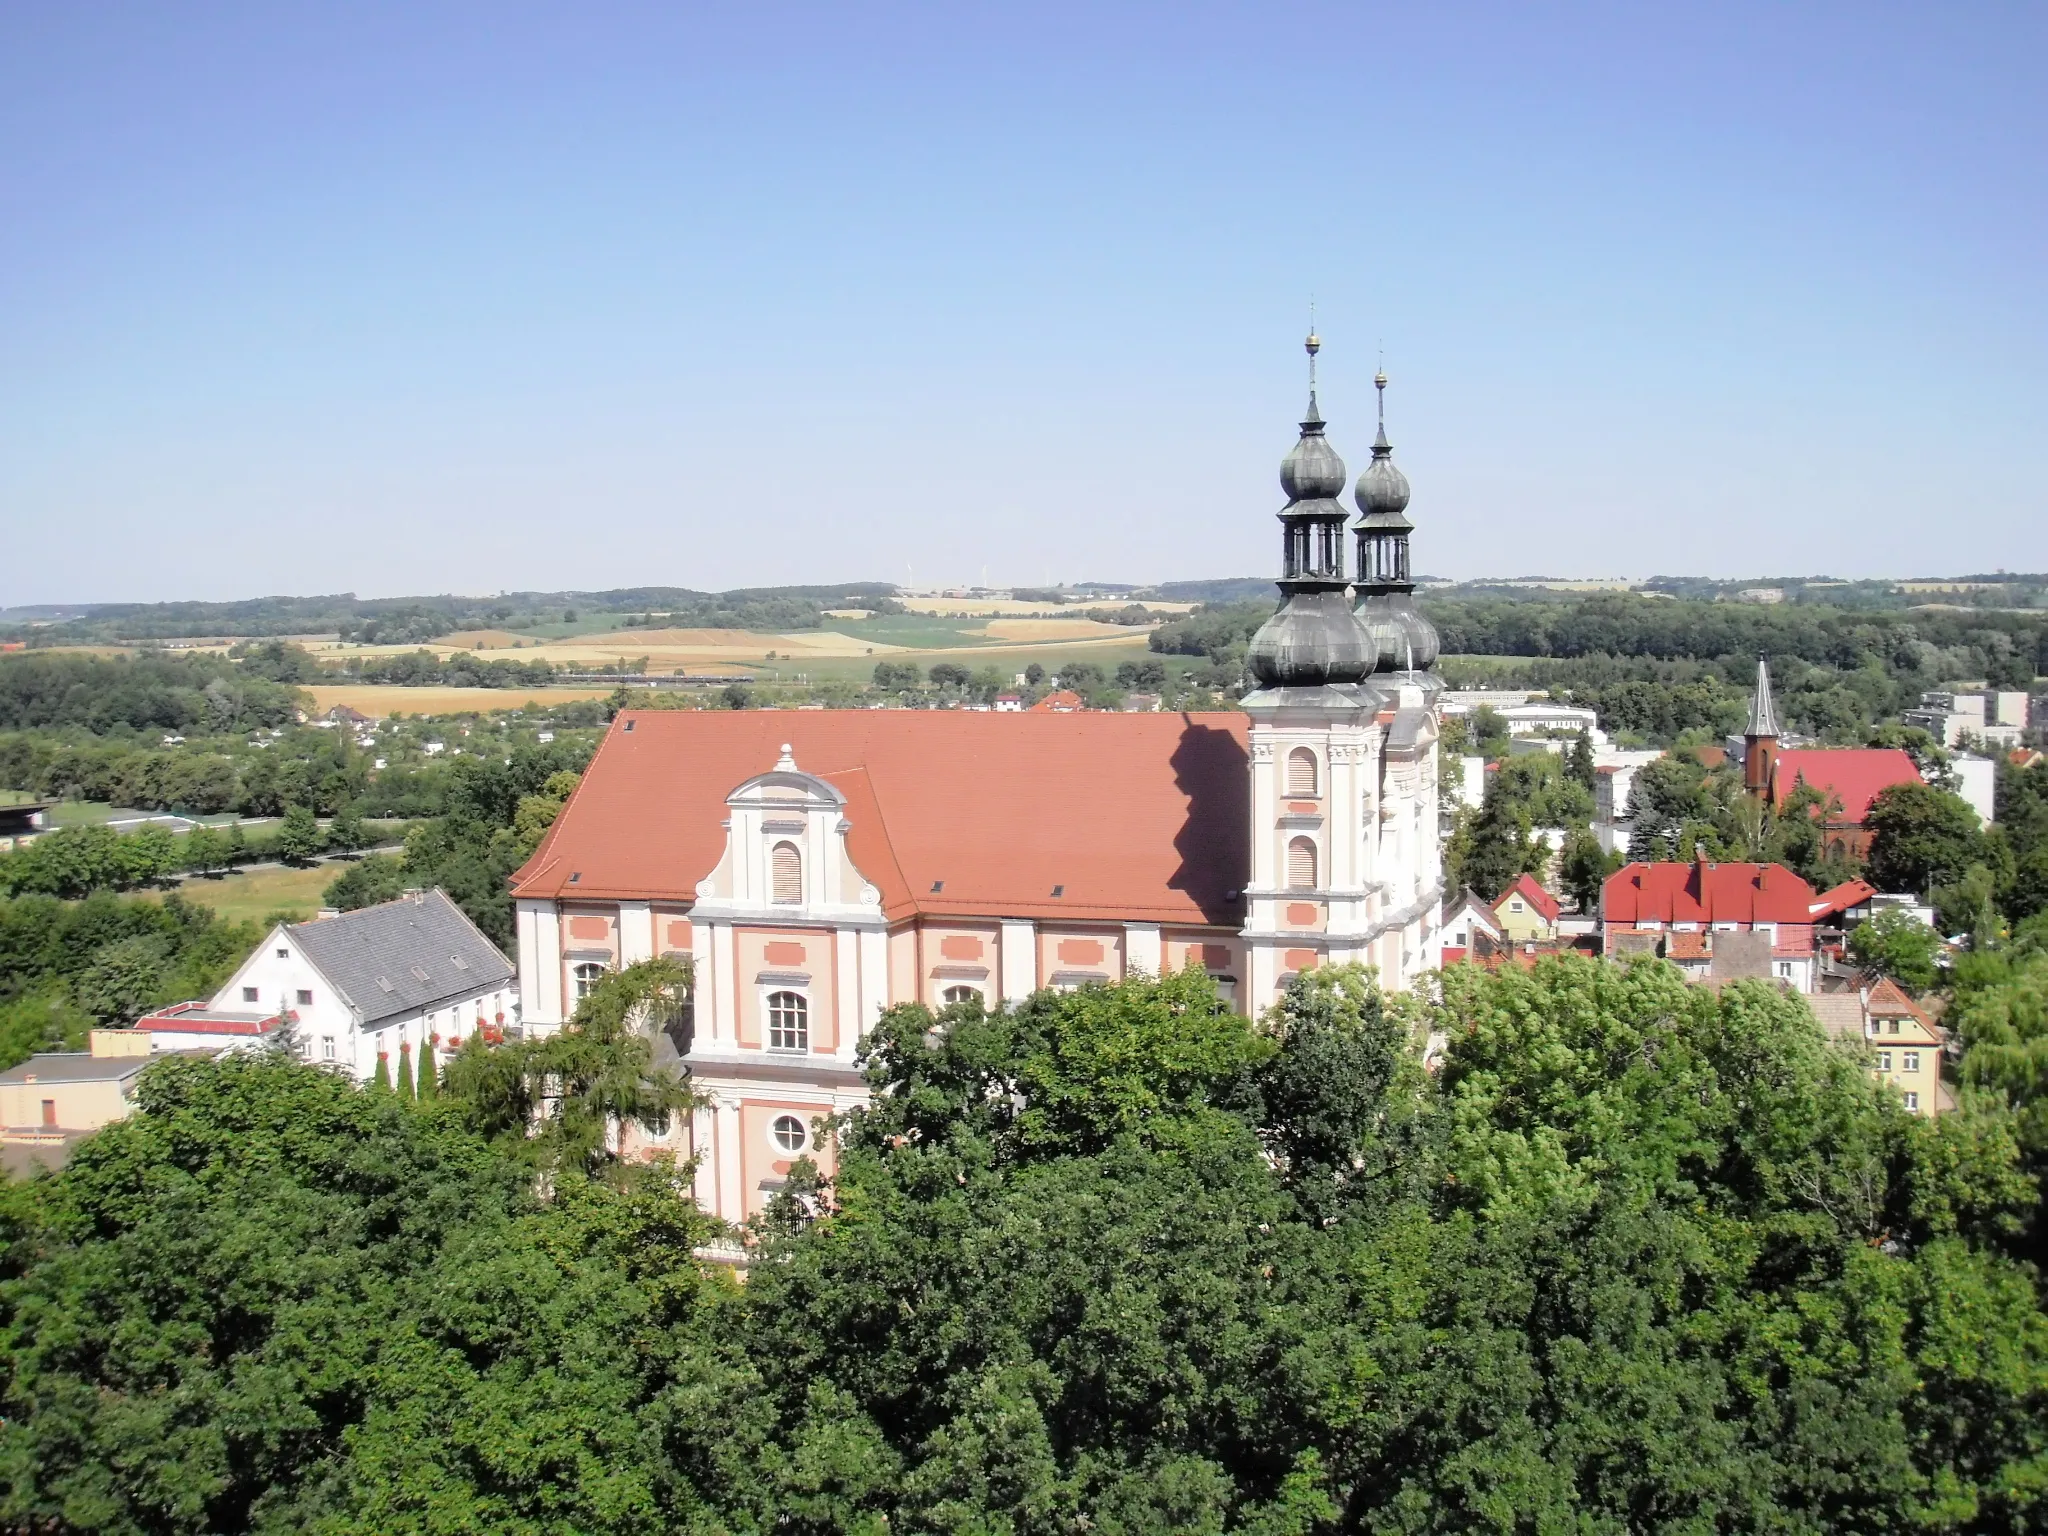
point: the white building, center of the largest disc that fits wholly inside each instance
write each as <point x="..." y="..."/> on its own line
<point x="390" y="980"/>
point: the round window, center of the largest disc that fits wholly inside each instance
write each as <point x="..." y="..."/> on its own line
<point x="789" y="1133"/>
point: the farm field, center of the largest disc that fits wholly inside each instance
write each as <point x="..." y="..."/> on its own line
<point x="379" y="702"/>
<point x="253" y="895"/>
<point x="1005" y="607"/>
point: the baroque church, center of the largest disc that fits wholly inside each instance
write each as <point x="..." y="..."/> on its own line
<point x="818" y="867"/>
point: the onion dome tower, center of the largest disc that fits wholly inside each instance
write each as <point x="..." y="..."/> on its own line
<point x="1406" y="642"/>
<point x="1314" y="640"/>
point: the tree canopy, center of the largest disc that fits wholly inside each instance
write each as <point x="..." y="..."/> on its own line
<point x="1635" y="1256"/>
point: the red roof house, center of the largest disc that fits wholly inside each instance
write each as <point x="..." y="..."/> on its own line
<point x="1683" y="912"/>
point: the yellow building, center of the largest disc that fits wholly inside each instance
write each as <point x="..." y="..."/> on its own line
<point x="1526" y="912"/>
<point x="1905" y="1044"/>
<point x="53" y="1097"/>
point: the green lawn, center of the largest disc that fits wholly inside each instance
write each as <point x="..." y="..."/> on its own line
<point x="262" y="893"/>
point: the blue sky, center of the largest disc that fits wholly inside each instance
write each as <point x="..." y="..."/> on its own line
<point x="442" y="297"/>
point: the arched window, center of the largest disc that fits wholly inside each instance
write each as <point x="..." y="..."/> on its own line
<point x="786" y="869"/>
<point x="1301" y="864"/>
<point x="789" y="1134"/>
<point x="1301" y="772"/>
<point x="960" y="995"/>
<point x="789" y="1022"/>
<point x="587" y="976"/>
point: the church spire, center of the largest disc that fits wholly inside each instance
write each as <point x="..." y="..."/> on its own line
<point x="1763" y="710"/>
<point x="1405" y="640"/>
<point x="1313" y="639"/>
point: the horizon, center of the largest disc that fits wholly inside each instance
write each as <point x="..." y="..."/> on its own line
<point x="448" y="299"/>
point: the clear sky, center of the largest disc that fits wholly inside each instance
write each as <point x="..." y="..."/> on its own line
<point x="440" y="297"/>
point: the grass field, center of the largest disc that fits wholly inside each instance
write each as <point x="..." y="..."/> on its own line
<point x="380" y="702"/>
<point x="257" y="894"/>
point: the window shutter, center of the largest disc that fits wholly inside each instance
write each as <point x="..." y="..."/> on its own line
<point x="788" y="874"/>
<point x="1301" y="772"/>
<point x="1301" y="865"/>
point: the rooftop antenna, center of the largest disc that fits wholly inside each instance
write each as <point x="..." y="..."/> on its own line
<point x="1314" y="344"/>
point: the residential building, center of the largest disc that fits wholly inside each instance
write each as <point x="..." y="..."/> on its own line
<point x="1062" y="701"/>
<point x="22" y="824"/>
<point x="57" y="1096"/>
<point x="1714" y="920"/>
<point x="1469" y="927"/>
<point x="1525" y="912"/>
<point x="818" y="868"/>
<point x="1906" y="1047"/>
<point x="385" y="982"/>
<point x="1977" y="783"/>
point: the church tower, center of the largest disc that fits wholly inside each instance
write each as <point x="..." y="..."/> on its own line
<point x="1315" y="739"/>
<point x="1406" y="848"/>
<point x="1760" y="740"/>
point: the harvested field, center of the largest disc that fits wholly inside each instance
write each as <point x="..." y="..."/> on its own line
<point x="998" y="607"/>
<point x="1039" y="631"/>
<point x="379" y="702"/>
<point x="480" y="639"/>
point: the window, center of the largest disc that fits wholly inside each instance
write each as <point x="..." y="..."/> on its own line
<point x="1301" y="772"/>
<point x="1912" y="1061"/>
<point x="960" y="995"/>
<point x="248" y="994"/>
<point x="284" y="954"/>
<point x="1301" y="864"/>
<point x="786" y="868"/>
<point x="305" y="996"/>
<point x="1913" y="1103"/>
<point x="327" y="1047"/>
<point x="1884" y="1061"/>
<point x="788" y="1134"/>
<point x="1785" y="970"/>
<point x="1514" y="906"/>
<point x="789" y="1022"/>
<point x="587" y="975"/>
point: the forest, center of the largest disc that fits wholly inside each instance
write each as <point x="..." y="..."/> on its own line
<point x="1634" y="1256"/>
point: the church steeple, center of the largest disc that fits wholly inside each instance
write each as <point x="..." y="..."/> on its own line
<point x="1313" y="640"/>
<point x="1760" y="740"/>
<point x="1405" y="640"/>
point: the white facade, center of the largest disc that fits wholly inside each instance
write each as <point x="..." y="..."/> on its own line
<point x="279" y="978"/>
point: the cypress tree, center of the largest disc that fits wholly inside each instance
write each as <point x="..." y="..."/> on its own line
<point x="430" y="1077"/>
<point x="405" y="1088"/>
<point x="383" y="1078"/>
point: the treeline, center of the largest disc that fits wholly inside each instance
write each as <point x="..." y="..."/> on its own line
<point x="462" y="669"/>
<point x="103" y="694"/>
<point x="1637" y="1255"/>
<point x="412" y="620"/>
<point x="77" y="861"/>
<point x="323" y="770"/>
<point x="67" y="966"/>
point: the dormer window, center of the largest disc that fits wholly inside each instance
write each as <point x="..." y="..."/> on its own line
<point x="1301" y="772"/>
<point x="786" y="875"/>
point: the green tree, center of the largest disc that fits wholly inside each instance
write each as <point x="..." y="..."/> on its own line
<point x="346" y="833"/>
<point x="1579" y="762"/>
<point x="125" y="979"/>
<point x="299" y="839"/>
<point x="1921" y="837"/>
<point x="1900" y="946"/>
<point x="365" y="883"/>
<point x="429" y="1078"/>
<point x="205" y="849"/>
<point x="1583" y="868"/>
<point x="403" y="1075"/>
<point x="949" y="674"/>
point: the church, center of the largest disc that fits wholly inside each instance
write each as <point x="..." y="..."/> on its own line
<point x="818" y="867"/>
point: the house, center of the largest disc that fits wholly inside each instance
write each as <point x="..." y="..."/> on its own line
<point x="1469" y="927"/>
<point x="1063" y="702"/>
<point x="1850" y="777"/>
<point x="1906" y="1045"/>
<point x="1525" y="912"/>
<point x="1009" y="704"/>
<point x="1723" y="921"/>
<point x="388" y="982"/>
<point x="57" y="1096"/>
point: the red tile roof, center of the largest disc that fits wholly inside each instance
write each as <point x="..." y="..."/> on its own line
<point x="1850" y="893"/>
<point x="1066" y="701"/>
<point x="1135" y="816"/>
<point x="1525" y="886"/>
<point x="1856" y="774"/>
<point x="1705" y="893"/>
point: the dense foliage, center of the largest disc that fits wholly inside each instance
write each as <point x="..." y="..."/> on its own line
<point x="1637" y="1257"/>
<point x="65" y="966"/>
<point x="141" y="692"/>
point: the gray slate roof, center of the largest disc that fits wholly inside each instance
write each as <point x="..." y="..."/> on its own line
<point x="402" y="956"/>
<point x="73" y="1067"/>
